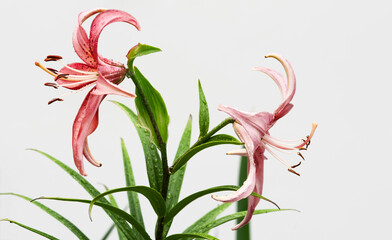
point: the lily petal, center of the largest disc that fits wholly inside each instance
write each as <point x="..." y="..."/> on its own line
<point x="85" y="123"/>
<point x="102" y="20"/>
<point x="105" y="87"/>
<point x="75" y="69"/>
<point x="277" y="77"/>
<point x="291" y="85"/>
<point x="80" y="39"/>
<point x="248" y="186"/>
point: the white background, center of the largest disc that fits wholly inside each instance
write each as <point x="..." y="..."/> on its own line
<point x="340" y="51"/>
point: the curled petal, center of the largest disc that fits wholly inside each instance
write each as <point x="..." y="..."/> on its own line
<point x="80" y="39"/>
<point x="102" y="20"/>
<point x="105" y="87"/>
<point x="85" y="123"/>
<point x="277" y="77"/>
<point x="291" y="85"/>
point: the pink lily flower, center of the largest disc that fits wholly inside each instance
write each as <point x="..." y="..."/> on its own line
<point x="97" y="71"/>
<point x="253" y="131"/>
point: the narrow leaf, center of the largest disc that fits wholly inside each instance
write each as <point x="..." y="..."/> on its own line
<point x="177" y="178"/>
<point x="183" y="203"/>
<point x="78" y="233"/>
<point x="242" y="205"/>
<point x="108" y="232"/>
<point x="133" y="198"/>
<point x="31" y="229"/>
<point x="120" y="223"/>
<point x="113" y="201"/>
<point x="237" y="215"/>
<point x="204" y="118"/>
<point x="109" y="208"/>
<point x="213" y="141"/>
<point x="151" y="155"/>
<point x="191" y="235"/>
<point x="157" y="105"/>
<point x="207" y="219"/>
<point x="155" y="198"/>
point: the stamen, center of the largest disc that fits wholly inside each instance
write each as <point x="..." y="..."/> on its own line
<point x="77" y="83"/>
<point x="55" y="100"/>
<point x="296" y="165"/>
<point x="307" y="141"/>
<point x="45" y="69"/>
<point x="53" y="70"/>
<point x="63" y="76"/>
<point x="299" y="154"/>
<point x="292" y="171"/>
<point x="52" y="58"/>
<point x="276" y="156"/>
<point x="55" y="85"/>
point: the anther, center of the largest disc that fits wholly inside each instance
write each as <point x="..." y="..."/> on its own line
<point x="52" y="58"/>
<point x="296" y="165"/>
<point x="52" y="85"/>
<point x="55" y="100"/>
<point x="292" y="171"/>
<point x="64" y="76"/>
<point x="299" y="154"/>
<point x="53" y="70"/>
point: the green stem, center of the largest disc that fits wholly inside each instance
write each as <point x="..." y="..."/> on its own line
<point x="203" y="139"/>
<point x="162" y="148"/>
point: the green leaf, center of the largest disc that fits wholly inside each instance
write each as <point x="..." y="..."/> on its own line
<point x="213" y="141"/>
<point x="175" y="182"/>
<point x="108" y="208"/>
<point x="151" y="155"/>
<point x="120" y="223"/>
<point x="141" y="50"/>
<point x="113" y="201"/>
<point x="31" y="229"/>
<point x="183" y="203"/>
<point x="157" y="105"/>
<point x="78" y="233"/>
<point x="207" y="219"/>
<point x="242" y="205"/>
<point x="155" y="198"/>
<point x="237" y="215"/>
<point x="204" y="118"/>
<point x="191" y="235"/>
<point x="133" y="198"/>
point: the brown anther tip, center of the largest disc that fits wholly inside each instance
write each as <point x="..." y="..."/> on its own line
<point x="55" y="100"/>
<point x="100" y="165"/>
<point x="292" y="171"/>
<point x="52" y="58"/>
<point x="54" y="85"/>
<point x="63" y="75"/>
<point x="299" y="154"/>
<point x="302" y="148"/>
<point x="296" y="165"/>
<point x="53" y="70"/>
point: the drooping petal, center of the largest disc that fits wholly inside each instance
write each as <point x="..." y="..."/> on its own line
<point x="80" y="39"/>
<point x="248" y="186"/>
<point x="291" y="86"/>
<point x="254" y="201"/>
<point x="102" y="20"/>
<point x="85" y="123"/>
<point x="104" y="87"/>
<point x="77" y="69"/>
